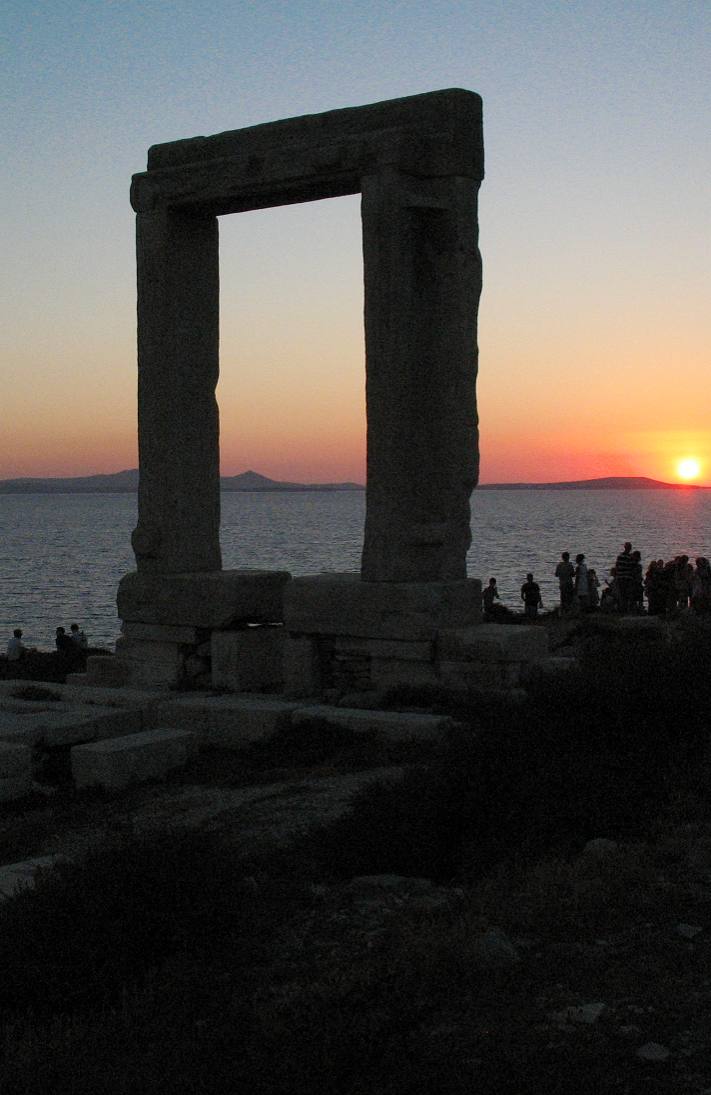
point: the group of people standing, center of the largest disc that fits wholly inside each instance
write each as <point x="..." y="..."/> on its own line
<point x="668" y="587"/>
<point x="678" y="584"/>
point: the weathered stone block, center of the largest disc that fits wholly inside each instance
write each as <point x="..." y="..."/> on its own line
<point x="394" y="672"/>
<point x="68" y="724"/>
<point x="387" y="648"/>
<point x="235" y="721"/>
<point x="512" y="673"/>
<point x="493" y="643"/>
<point x="123" y="761"/>
<point x="316" y="156"/>
<point x="343" y="605"/>
<point x="150" y="663"/>
<point x="89" y="695"/>
<point x="14" y="729"/>
<point x="214" y="599"/>
<point x="12" y="787"/>
<point x="105" y="672"/>
<point x="7" y="688"/>
<point x="461" y="676"/>
<point x="248" y="661"/>
<point x="230" y="722"/>
<point x="23" y="875"/>
<point x="552" y="667"/>
<point x="188" y="712"/>
<point x="15" y="760"/>
<point x="302" y="666"/>
<point x="89" y="724"/>
<point x="29" y="707"/>
<point x="158" y="633"/>
<point x="392" y="726"/>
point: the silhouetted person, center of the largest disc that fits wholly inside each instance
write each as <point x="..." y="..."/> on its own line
<point x="63" y="643"/>
<point x="16" y="649"/>
<point x="669" y="586"/>
<point x="701" y="587"/>
<point x="594" y="588"/>
<point x="565" y="573"/>
<point x="581" y="585"/>
<point x="78" y="637"/>
<point x="624" y="577"/>
<point x="489" y="595"/>
<point x="637" y="588"/>
<point x="531" y="597"/>
<point x="683" y="573"/>
<point x="609" y="598"/>
<point x="655" y="589"/>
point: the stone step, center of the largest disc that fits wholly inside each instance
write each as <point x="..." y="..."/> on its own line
<point x="121" y="762"/>
<point x="23" y="875"/>
<point x="388" y="726"/>
<point x="105" y="671"/>
<point x="230" y="722"/>
<point x="15" y="770"/>
<point x="57" y="724"/>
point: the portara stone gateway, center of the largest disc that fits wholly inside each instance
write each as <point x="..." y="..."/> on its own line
<point x="411" y="615"/>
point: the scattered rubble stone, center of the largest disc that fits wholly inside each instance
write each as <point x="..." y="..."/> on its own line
<point x="494" y="950"/>
<point x="688" y="931"/>
<point x="600" y="848"/>
<point x="653" y="1051"/>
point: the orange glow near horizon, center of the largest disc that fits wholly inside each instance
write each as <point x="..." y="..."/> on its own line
<point x="290" y="436"/>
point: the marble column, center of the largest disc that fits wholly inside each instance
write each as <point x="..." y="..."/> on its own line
<point x="422" y="283"/>
<point x="178" y="365"/>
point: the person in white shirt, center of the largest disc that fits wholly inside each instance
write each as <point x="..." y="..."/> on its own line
<point x="77" y="636"/>
<point x="582" y="587"/>
<point x="16" y="649"/>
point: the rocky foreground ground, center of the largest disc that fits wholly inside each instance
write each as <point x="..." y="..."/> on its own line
<point x="583" y="967"/>
<point x="592" y="969"/>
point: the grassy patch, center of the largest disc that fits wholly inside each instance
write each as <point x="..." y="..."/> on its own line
<point x="89" y="929"/>
<point x="602" y="751"/>
<point x="295" y="995"/>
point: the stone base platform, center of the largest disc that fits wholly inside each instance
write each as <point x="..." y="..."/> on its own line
<point x="348" y="635"/>
<point x="491" y="657"/>
<point x="175" y="624"/>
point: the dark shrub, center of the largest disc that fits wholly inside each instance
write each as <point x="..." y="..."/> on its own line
<point x="90" y="928"/>
<point x="596" y="752"/>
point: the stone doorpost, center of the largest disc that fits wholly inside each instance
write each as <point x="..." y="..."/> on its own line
<point x="422" y="284"/>
<point x="178" y="430"/>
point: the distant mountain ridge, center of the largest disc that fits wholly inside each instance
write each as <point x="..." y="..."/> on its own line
<point x="122" y="482"/>
<point x="610" y="482"/>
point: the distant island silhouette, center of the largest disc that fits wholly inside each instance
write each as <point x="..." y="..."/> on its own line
<point x="123" y="482"/>
<point x="610" y="482"/>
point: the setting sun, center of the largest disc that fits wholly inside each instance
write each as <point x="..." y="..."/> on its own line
<point x="688" y="468"/>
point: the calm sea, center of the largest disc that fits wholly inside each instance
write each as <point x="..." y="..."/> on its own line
<point x="61" y="556"/>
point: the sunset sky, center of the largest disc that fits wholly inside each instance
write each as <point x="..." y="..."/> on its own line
<point x="595" y="231"/>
